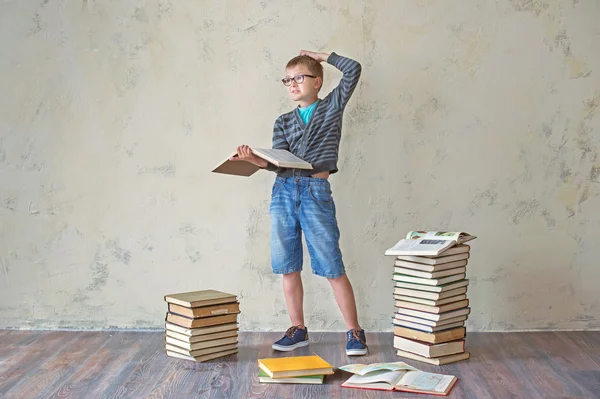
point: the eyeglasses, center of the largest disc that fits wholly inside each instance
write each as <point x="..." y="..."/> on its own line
<point x="298" y="79"/>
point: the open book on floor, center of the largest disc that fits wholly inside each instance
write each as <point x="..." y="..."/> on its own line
<point x="428" y="243"/>
<point x="278" y="157"/>
<point x="397" y="376"/>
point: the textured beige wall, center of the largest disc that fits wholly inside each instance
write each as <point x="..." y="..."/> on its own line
<point x="478" y="115"/>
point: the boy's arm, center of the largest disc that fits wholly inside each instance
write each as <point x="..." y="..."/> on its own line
<point x="279" y="142"/>
<point x="351" y="71"/>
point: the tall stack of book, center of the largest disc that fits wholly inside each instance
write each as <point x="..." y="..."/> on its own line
<point x="431" y="296"/>
<point x="201" y="325"/>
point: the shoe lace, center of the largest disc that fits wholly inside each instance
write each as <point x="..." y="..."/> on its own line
<point x="354" y="334"/>
<point x="291" y="331"/>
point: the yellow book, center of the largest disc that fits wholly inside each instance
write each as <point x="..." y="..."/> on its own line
<point x="295" y="366"/>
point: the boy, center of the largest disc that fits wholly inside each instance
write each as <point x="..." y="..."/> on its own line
<point x="301" y="200"/>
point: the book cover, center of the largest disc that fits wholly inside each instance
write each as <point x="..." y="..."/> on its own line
<point x="295" y="366"/>
<point x="438" y="274"/>
<point x="440" y="260"/>
<point x="428" y="281"/>
<point x="278" y="157"/>
<point x="434" y="296"/>
<point x="431" y="337"/>
<point x="188" y="322"/>
<point x="433" y="309"/>
<point x="430" y="302"/>
<point x="437" y="361"/>
<point x="431" y="323"/>
<point x="425" y="328"/>
<point x="205" y="311"/>
<point x="201" y="331"/>
<point x="433" y="317"/>
<point x="203" y="358"/>
<point x="433" y="288"/>
<point x="430" y="268"/>
<point x="194" y="299"/>
<point x="427" y="349"/>
<point x="305" y="379"/>
<point x="201" y="338"/>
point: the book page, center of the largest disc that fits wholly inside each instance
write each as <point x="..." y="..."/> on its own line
<point x="413" y="235"/>
<point x="421" y="246"/>
<point x="279" y="156"/>
<point x="363" y="369"/>
<point x="422" y="380"/>
<point x="390" y="377"/>
<point x="458" y="236"/>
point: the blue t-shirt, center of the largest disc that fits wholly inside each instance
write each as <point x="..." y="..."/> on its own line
<point x="305" y="113"/>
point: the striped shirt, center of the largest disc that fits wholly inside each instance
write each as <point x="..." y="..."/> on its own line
<point x="318" y="141"/>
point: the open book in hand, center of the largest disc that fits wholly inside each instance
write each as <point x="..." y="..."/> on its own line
<point x="397" y="376"/>
<point x="428" y="243"/>
<point x="278" y="157"/>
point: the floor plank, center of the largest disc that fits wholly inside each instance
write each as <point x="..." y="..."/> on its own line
<point x="68" y="364"/>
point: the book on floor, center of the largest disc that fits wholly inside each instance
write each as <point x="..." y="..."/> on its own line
<point x="201" y="331"/>
<point x="433" y="296"/>
<point x="456" y="249"/>
<point x="426" y="328"/>
<point x="433" y="323"/>
<point x="205" y="311"/>
<point x="200" y="352"/>
<point x="306" y="379"/>
<point x="278" y="157"/>
<point x="432" y="288"/>
<point x="437" y="361"/>
<point x="431" y="337"/>
<point x="403" y="278"/>
<point x="188" y="322"/>
<point x="437" y="317"/>
<point x="433" y="309"/>
<point x="437" y="274"/>
<point x="191" y="339"/>
<point x="201" y="358"/>
<point x="427" y="349"/>
<point x="295" y="366"/>
<point x="192" y="346"/>
<point x="438" y="260"/>
<point x="428" y="243"/>
<point x="430" y="302"/>
<point x="397" y="376"/>
<point x="430" y="268"/>
<point x="194" y="299"/>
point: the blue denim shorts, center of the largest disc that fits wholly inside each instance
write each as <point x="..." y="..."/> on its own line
<point x="304" y="205"/>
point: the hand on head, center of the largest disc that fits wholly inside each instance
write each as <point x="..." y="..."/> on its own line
<point x="316" y="56"/>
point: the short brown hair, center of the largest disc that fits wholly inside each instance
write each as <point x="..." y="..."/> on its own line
<point x="311" y="64"/>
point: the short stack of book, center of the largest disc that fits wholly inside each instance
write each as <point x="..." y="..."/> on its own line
<point x="294" y="370"/>
<point x="201" y="325"/>
<point x="431" y="296"/>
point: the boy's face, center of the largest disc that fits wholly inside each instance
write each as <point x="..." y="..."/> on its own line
<point x="306" y="90"/>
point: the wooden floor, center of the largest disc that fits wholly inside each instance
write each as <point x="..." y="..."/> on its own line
<point x="133" y="365"/>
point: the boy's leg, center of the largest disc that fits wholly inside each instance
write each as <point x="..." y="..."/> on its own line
<point x="294" y="297"/>
<point x="344" y="296"/>
<point x="286" y="259"/>
<point x="319" y="224"/>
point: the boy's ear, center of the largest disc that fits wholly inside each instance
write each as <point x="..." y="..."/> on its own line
<point x="319" y="83"/>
